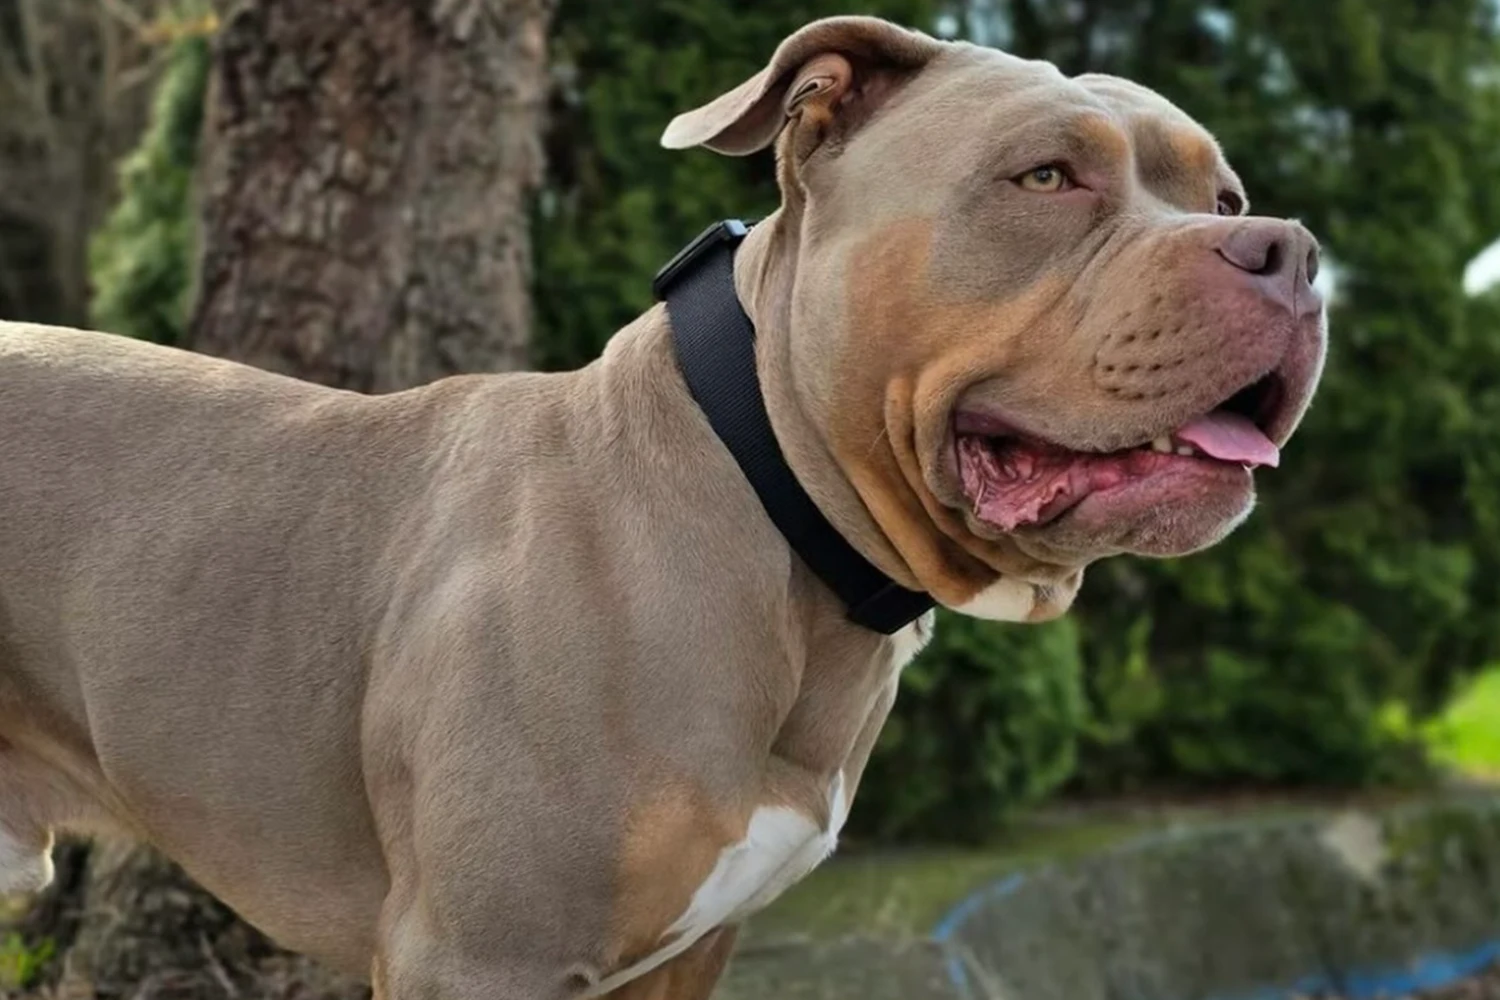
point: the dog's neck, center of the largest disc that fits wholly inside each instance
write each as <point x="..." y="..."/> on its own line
<point x="971" y="581"/>
<point x="763" y="271"/>
<point x="637" y="400"/>
<point x="642" y="355"/>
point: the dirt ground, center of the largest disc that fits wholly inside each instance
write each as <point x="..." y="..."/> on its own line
<point x="122" y="923"/>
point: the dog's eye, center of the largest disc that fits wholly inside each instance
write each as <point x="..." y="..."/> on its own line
<point x="1230" y="203"/>
<point x="1045" y="180"/>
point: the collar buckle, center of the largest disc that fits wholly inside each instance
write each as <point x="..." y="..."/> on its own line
<point x="729" y="231"/>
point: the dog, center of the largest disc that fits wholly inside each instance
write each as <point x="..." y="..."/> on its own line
<point x="508" y="687"/>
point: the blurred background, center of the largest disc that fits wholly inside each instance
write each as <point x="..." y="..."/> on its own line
<point x="374" y="193"/>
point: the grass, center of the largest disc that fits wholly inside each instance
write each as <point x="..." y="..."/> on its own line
<point x="1466" y="736"/>
<point x="903" y="895"/>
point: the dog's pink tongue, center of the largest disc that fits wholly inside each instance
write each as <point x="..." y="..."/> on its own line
<point x="1230" y="437"/>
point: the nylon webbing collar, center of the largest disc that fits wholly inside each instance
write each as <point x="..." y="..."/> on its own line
<point x="715" y="344"/>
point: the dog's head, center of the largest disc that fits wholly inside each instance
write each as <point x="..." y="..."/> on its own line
<point x="1028" y="314"/>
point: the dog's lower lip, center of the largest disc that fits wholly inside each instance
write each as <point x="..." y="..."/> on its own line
<point x="1202" y="467"/>
<point x="1012" y="482"/>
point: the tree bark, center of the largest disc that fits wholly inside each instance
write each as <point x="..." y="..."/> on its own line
<point x="370" y="162"/>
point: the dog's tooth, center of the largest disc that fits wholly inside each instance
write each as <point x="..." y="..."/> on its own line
<point x="1183" y="449"/>
<point x="1163" y="445"/>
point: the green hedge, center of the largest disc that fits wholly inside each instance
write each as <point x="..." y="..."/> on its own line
<point x="988" y="722"/>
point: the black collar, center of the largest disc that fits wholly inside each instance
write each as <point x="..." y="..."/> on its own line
<point x="715" y="343"/>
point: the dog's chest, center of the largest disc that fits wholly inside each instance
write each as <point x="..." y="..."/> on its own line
<point x="781" y="845"/>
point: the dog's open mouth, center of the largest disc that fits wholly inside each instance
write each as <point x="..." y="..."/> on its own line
<point x="1012" y="480"/>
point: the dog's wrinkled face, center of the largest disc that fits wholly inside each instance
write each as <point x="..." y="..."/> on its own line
<point x="1030" y="312"/>
<point x="1132" y="346"/>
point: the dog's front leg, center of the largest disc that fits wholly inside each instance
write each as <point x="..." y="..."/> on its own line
<point x="422" y="956"/>
<point x="418" y="959"/>
<point x="497" y="889"/>
<point x="690" y="976"/>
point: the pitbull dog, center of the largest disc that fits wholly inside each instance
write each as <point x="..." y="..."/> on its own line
<point x="506" y="688"/>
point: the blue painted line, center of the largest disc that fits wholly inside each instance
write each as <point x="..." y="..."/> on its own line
<point x="970" y="904"/>
<point x="1431" y="971"/>
<point x="1426" y="973"/>
<point x="965" y="908"/>
<point x="956" y="917"/>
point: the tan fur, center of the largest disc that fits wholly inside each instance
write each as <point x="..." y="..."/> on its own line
<point x="691" y="976"/>
<point x="471" y="688"/>
<point x="672" y="838"/>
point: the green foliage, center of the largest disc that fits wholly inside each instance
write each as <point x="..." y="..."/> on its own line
<point x="1466" y="736"/>
<point x="142" y="257"/>
<point x="988" y="721"/>
<point x="22" y="963"/>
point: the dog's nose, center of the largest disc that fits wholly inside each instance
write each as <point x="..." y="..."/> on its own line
<point x="1281" y="259"/>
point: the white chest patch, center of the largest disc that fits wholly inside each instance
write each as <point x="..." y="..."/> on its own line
<point x="1005" y="600"/>
<point x="907" y="643"/>
<point x="781" y="846"/>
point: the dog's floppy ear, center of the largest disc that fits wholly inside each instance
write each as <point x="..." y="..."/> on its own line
<point x="822" y="69"/>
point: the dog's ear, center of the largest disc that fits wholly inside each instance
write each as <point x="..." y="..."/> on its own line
<point x="836" y="68"/>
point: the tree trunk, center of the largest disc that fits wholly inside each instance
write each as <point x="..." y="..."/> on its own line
<point x="365" y="214"/>
<point x="366" y="191"/>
